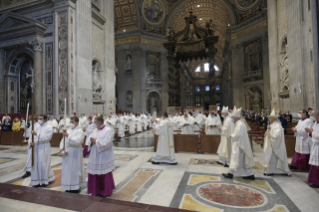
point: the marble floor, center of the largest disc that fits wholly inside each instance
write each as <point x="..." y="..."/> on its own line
<point x="194" y="184"/>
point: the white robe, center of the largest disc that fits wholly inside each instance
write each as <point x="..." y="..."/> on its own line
<point x="138" y="124"/>
<point x="101" y="160"/>
<point x="88" y="132"/>
<point x="165" y="146"/>
<point x="111" y="123"/>
<point x="42" y="173"/>
<point x="55" y="126"/>
<point x="27" y="134"/>
<point x="314" y="156"/>
<point x="120" y="127"/>
<point x="187" y="130"/>
<point x="83" y="122"/>
<point x="73" y="174"/>
<point x="212" y="124"/>
<point x="224" y="148"/>
<point x="242" y="159"/>
<point x="302" y="137"/>
<point x="132" y="124"/>
<point x="275" y="154"/>
<point x="63" y="124"/>
<point x="22" y="125"/>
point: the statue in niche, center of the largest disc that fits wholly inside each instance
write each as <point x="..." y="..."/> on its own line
<point x="129" y="99"/>
<point x="256" y="106"/>
<point x="285" y="71"/>
<point x="170" y="34"/>
<point x="128" y="63"/>
<point x="210" y="28"/>
<point x="97" y="85"/>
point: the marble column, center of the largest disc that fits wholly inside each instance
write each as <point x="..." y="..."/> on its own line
<point x="37" y="47"/>
<point x="2" y="83"/>
<point x="237" y="71"/>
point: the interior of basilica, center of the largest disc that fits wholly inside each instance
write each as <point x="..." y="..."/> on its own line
<point x="168" y="105"/>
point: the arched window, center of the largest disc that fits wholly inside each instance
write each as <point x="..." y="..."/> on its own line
<point x="206" y="67"/>
<point x="216" y="68"/>
<point x="197" y="69"/>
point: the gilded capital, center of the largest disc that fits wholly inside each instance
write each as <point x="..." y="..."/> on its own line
<point x="37" y="45"/>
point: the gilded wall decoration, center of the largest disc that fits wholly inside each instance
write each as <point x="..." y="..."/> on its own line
<point x="62" y="59"/>
<point x="246" y="4"/>
<point x="153" y="11"/>
<point x="49" y="76"/>
<point x="250" y="30"/>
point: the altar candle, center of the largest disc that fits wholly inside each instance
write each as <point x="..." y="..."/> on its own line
<point x="65" y="108"/>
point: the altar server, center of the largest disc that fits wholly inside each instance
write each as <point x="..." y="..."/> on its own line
<point x="275" y="154"/>
<point x="89" y="130"/>
<point x="41" y="173"/>
<point x="101" y="161"/>
<point x="313" y="177"/>
<point x="64" y="123"/>
<point x="73" y="174"/>
<point x="302" y="154"/>
<point x="224" y="149"/>
<point x="165" y="145"/>
<point x="242" y="159"/>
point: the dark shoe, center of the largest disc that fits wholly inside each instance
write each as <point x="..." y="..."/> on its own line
<point x="226" y="165"/>
<point x="44" y="185"/>
<point x="220" y="163"/>
<point x="292" y="167"/>
<point x="27" y="174"/>
<point x="251" y="177"/>
<point x="155" y="162"/>
<point x="228" y="175"/>
<point x="314" y="186"/>
<point x="173" y="163"/>
<point x="285" y="174"/>
<point x="75" y="191"/>
<point x="268" y="174"/>
<point x="98" y="195"/>
<point x="36" y="186"/>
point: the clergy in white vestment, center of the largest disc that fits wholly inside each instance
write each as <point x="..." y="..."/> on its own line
<point x="54" y="124"/>
<point x="138" y="124"/>
<point x="88" y="131"/>
<point x="212" y="124"/>
<point x="302" y="150"/>
<point x="275" y="154"/>
<point x="186" y="125"/>
<point x="224" y="148"/>
<point x="27" y="135"/>
<point x="241" y="159"/>
<point x="197" y="122"/>
<point x="131" y="123"/>
<point x="64" y="124"/>
<point x="6" y="116"/>
<point x="165" y="144"/>
<point x="120" y="126"/>
<point x="313" y="176"/>
<point x="83" y="121"/>
<point x="41" y="172"/>
<point x="22" y="125"/>
<point x="101" y="161"/>
<point x="111" y="123"/>
<point x="73" y="174"/>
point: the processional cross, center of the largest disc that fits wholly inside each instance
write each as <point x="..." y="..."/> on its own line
<point x="32" y="75"/>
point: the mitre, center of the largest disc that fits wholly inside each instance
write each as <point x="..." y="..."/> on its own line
<point x="273" y="114"/>
<point x="236" y="112"/>
<point x="225" y="109"/>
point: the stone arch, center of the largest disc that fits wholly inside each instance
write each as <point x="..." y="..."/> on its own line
<point x="16" y="56"/>
<point x="154" y="102"/>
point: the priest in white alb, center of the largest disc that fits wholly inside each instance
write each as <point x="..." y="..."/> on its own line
<point x="275" y="154"/>
<point x="224" y="149"/>
<point x="64" y="123"/>
<point x="212" y="124"/>
<point x="131" y="123"/>
<point x="186" y="124"/>
<point x="73" y="174"/>
<point x="41" y="173"/>
<point x="54" y="124"/>
<point x="120" y="126"/>
<point x="302" y="150"/>
<point x="241" y="159"/>
<point x="101" y="161"/>
<point x="165" y="152"/>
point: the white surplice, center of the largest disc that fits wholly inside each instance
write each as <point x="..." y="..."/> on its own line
<point x="64" y="124"/>
<point x="83" y="122"/>
<point x="120" y="127"/>
<point x="224" y="148"/>
<point x="138" y="124"/>
<point x="88" y="132"/>
<point x="275" y="154"/>
<point x="132" y="124"/>
<point x="302" y="137"/>
<point x="212" y="124"/>
<point x="165" y="152"/>
<point x="73" y="174"/>
<point x="314" y="156"/>
<point x="27" y="134"/>
<point x="101" y="160"/>
<point x="187" y="130"/>
<point x="54" y="124"/>
<point x="242" y="159"/>
<point x="42" y="173"/>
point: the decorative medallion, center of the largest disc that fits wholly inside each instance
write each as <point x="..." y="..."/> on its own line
<point x="63" y="44"/>
<point x="153" y="11"/>
<point x="246" y="4"/>
<point x="231" y="195"/>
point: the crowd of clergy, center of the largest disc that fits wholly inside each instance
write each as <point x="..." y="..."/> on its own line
<point x="97" y="131"/>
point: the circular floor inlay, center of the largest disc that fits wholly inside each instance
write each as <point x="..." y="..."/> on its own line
<point x="231" y="195"/>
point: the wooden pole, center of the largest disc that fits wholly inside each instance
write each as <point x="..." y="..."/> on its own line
<point x="32" y="114"/>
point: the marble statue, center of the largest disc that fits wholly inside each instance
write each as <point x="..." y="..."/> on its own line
<point x="256" y="100"/>
<point x="285" y="72"/>
<point x="170" y="34"/>
<point x="210" y="28"/>
<point x="97" y="85"/>
<point x="129" y="99"/>
<point x="128" y="63"/>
